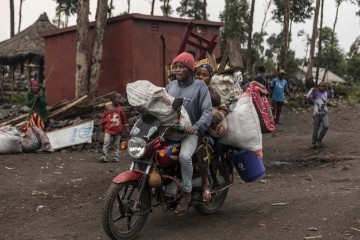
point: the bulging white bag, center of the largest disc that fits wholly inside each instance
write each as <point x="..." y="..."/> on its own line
<point x="218" y="130"/>
<point x="244" y="129"/>
<point x="155" y="100"/>
<point x="10" y="140"/>
<point x="227" y="85"/>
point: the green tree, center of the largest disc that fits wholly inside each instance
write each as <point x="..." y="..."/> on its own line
<point x="274" y="45"/>
<point x="258" y="38"/>
<point x="166" y="8"/>
<point x="332" y="50"/>
<point x="285" y="35"/>
<point x="249" y="41"/>
<point x="20" y="11"/>
<point x="12" y="18"/>
<point x="257" y="42"/>
<point x="332" y="57"/>
<point x="235" y="16"/>
<point x="192" y="9"/>
<point x="292" y="63"/>
<point x="152" y="7"/>
<point x="64" y="8"/>
<point x="319" y="43"/>
<point x="300" y="10"/>
<point x="355" y="48"/>
<point x="353" y="70"/>
<point x="309" y="75"/>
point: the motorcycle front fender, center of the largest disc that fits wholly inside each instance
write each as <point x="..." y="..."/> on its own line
<point x="128" y="176"/>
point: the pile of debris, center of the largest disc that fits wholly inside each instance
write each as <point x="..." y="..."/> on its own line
<point x="73" y="112"/>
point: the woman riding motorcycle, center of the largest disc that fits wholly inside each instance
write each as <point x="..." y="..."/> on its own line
<point x="204" y="150"/>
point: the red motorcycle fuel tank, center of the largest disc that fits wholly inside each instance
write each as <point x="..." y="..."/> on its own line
<point x="168" y="154"/>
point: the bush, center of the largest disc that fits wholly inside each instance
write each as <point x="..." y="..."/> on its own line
<point x="18" y="99"/>
<point x="351" y="93"/>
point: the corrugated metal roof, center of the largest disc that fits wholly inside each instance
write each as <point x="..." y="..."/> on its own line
<point x="330" y="76"/>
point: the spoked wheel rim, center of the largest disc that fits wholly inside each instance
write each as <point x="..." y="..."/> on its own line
<point x="122" y="216"/>
<point x="218" y="198"/>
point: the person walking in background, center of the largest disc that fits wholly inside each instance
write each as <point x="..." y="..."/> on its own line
<point x="115" y="124"/>
<point x="260" y="77"/>
<point x="37" y="102"/>
<point x="278" y="88"/>
<point x="319" y="96"/>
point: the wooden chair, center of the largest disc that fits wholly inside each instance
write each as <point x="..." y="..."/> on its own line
<point x="203" y="44"/>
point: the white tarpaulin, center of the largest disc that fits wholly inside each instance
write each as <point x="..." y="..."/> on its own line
<point x="70" y="136"/>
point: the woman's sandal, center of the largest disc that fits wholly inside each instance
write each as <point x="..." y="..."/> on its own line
<point x="206" y="194"/>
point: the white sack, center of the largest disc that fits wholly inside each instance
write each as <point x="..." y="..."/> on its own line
<point x="10" y="140"/>
<point x="220" y="129"/>
<point x="227" y="85"/>
<point x="30" y="142"/>
<point x="244" y="129"/>
<point x="155" y="100"/>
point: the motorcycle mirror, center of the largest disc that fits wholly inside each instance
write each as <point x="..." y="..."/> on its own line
<point x="177" y="104"/>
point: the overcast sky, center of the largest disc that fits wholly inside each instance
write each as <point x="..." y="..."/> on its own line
<point x="348" y="26"/>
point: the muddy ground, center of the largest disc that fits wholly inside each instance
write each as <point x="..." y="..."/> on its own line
<point x="306" y="193"/>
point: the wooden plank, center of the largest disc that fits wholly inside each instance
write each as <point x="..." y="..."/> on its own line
<point x="14" y="119"/>
<point x="67" y="107"/>
<point x="18" y="120"/>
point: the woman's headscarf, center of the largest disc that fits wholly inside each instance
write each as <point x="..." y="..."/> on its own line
<point x="208" y="68"/>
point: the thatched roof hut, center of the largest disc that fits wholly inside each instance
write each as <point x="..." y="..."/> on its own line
<point x="27" y="43"/>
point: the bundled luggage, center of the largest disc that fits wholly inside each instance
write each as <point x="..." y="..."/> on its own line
<point x="243" y="126"/>
<point x="155" y="100"/>
<point x="218" y="130"/>
<point x="228" y="86"/>
<point x="259" y="95"/>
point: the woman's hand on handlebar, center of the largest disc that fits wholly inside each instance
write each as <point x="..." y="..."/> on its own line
<point x="190" y="130"/>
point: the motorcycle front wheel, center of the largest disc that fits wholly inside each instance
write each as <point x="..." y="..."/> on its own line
<point x="121" y="218"/>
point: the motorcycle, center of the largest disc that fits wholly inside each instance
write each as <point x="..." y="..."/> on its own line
<point x="154" y="179"/>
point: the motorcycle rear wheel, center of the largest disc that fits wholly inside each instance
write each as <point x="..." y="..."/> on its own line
<point x="215" y="203"/>
<point x="119" y="219"/>
<point x="217" y="199"/>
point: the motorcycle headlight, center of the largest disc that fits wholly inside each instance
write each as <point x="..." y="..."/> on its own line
<point x="136" y="147"/>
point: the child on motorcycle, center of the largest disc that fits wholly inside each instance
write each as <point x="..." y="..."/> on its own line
<point x="115" y="124"/>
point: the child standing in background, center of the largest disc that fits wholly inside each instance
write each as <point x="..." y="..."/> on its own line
<point x="115" y="124"/>
<point x="320" y="97"/>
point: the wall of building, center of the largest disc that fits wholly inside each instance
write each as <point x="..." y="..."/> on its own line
<point x="134" y="49"/>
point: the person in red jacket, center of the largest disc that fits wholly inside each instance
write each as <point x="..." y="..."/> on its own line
<point x="115" y="124"/>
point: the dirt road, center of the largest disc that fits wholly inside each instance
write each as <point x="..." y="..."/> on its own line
<point x="305" y="193"/>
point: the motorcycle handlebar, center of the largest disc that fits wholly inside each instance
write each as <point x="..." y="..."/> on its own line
<point x="178" y="130"/>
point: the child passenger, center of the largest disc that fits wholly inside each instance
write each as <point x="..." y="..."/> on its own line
<point x="115" y="124"/>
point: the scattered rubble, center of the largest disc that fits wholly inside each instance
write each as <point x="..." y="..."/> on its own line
<point x="67" y="113"/>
